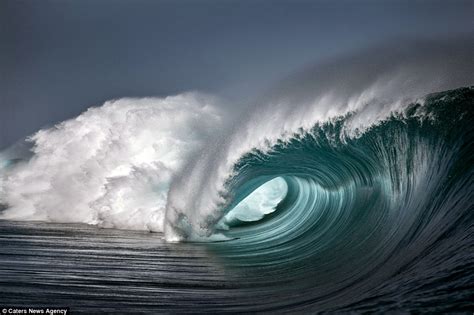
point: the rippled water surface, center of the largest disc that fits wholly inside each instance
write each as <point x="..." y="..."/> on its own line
<point x="90" y="269"/>
<point x="87" y="268"/>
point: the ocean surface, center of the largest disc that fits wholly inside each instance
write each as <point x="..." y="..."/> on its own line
<point x="89" y="269"/>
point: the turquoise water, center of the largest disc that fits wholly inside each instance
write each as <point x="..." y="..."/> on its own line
<point x="382" y="218"/>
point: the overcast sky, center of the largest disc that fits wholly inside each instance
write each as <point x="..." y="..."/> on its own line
<point x="59" y="57"/>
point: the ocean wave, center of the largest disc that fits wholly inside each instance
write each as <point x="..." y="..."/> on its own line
<point x="394" y="203"/>
<point x="181" y="165"/>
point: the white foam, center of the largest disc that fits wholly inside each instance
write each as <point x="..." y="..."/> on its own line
<point x="260" y="202"/>
<point x="112" y="165"/>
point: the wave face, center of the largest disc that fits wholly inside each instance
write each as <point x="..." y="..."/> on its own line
<point x="395" y="202"/>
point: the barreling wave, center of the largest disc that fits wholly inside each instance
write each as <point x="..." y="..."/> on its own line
<point x="400" y="165"/>
<point x="396" y="202"/>
<point x="338" y="102"/>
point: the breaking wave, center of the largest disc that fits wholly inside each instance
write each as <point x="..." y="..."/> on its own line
<point x="111" y="166"/>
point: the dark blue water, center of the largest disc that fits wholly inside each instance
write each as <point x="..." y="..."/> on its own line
<point x="95" y="270"/>
<point x="90" y="269"/>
